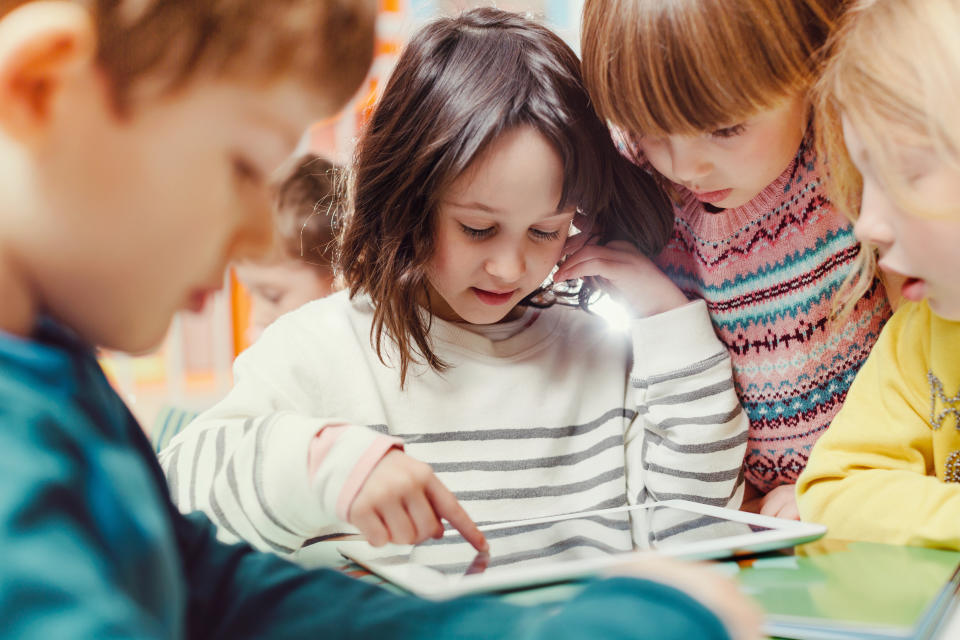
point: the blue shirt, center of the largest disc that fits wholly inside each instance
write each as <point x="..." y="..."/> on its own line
<point x="92" y="546"/>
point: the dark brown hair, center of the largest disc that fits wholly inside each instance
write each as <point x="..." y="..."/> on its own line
<point x="306" y="203"/>
<point x="459" y="84"/>
<point x="328" y="43"/>
<point x="683" y="67"/>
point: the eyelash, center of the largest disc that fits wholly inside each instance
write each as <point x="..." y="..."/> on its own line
<point x="729" y="132"/>
<point x="244" y="170"/>
<point x="545" y="236"/>
<point x="480" y="234"/>
<point x="476" y="234"/>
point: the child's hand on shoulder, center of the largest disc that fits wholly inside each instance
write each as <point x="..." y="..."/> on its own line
<point x="625" y="273"/>
<point x="402" y="501"/>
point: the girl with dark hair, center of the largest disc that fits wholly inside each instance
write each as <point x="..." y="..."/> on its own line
<point x="444" y="384"/>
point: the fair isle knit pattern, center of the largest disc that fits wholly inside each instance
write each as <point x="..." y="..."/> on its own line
<point x="768" y="271"/>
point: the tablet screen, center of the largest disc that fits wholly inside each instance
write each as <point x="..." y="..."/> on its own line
<point x="525" y="545"/>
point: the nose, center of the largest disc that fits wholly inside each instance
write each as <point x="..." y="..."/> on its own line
<point x="872" y="226"/>
<point x="688" y="160"/>
<point x="507" y="263"/>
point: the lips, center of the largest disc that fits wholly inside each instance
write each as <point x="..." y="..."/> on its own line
<point x="197" y="299"/>
<point x="493" y="298"/>
<point x="913" y="289"/>
<point x="711" y="196"/>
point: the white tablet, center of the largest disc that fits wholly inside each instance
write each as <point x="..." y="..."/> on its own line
<point x="545" y="550"/>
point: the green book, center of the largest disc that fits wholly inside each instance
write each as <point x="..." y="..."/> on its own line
<point x="835" y="590"/>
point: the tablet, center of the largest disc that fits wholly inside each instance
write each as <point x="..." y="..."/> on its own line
<point x="559" y="548"/>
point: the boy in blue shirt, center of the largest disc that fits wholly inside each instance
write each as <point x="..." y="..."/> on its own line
<point x="135" y="142"/>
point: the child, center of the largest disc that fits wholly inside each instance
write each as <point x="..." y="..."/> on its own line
<point x="438" y="379"/>
<point x="888" y="468"/>
<point x="711" y="96"/>
<point x="299" y="269"/>
<point x="127" y="129"/>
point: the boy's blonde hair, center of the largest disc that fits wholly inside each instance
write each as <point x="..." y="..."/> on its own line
<point x="894" y="72"/>
<point x="682" y="67"/>
<point x="329" y="44"/>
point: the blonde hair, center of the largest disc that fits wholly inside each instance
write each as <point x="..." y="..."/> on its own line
<point x="893" y="72"/>
<point x="667" y="67"/>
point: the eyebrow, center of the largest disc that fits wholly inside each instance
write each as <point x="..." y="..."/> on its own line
<point x="479" y="206"/>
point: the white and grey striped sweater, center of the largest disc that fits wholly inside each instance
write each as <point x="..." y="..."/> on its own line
<point x="562" y="417"/>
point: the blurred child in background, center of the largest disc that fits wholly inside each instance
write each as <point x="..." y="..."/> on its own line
<point x="300" y="267"/>
<point x="888" y="469"/>
<point x="136" y="140"/>
<point x="712" y="98"/>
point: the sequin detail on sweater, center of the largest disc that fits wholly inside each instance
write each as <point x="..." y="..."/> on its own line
<point x="768" y="271"/>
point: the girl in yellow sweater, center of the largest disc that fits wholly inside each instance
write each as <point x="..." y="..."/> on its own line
<point x="888" y="469"/>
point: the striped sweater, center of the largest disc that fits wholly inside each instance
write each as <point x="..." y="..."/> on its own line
<point x="563" y="416"/>
<point x="768" y="271"/>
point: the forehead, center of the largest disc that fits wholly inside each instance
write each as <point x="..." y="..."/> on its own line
<point x="519" y="163"/>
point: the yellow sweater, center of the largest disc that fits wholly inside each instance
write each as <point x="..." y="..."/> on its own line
<point x="888" y="468"/>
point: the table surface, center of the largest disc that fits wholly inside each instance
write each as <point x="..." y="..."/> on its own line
<point x="324" y="554"/>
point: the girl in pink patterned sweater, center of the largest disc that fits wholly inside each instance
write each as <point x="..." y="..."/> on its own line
<point x="712" y="97"/>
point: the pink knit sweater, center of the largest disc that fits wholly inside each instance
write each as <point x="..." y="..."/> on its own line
<point x="768" y="271"/>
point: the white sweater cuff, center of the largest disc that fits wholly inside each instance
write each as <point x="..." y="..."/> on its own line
<point x="678" y="337"/>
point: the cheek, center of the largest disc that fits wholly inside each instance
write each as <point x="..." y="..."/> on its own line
<point x="452" y="255"/>
<point x="656" y="154"/>
<point x="545" y="258"/>
<point x="936" y="244"/>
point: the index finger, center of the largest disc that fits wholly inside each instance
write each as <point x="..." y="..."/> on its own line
<point x="446" y="506"/>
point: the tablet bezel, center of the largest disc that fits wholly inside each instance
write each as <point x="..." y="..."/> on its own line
<point x="429" y="583"/>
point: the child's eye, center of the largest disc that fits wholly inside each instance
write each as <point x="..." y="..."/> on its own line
<point x="729" y="132"/>
<point x="244" y="170"/>
<point x="476" y="233"/>
<point x="272" y="296"/>
<point x="544" y="236"/>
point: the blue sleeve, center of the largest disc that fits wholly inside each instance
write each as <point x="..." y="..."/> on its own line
<point x="240" y="593"/>
<point x="58" y="574"/>
<point x="93" y="548"/>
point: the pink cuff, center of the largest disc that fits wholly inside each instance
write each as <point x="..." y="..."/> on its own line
<point x="321" y="445"/>
<point x="374" y="453"/>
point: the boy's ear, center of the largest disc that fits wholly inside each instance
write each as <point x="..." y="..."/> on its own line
<point x="41" y="45"/>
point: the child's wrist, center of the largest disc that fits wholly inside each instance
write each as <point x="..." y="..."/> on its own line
<point x="659" y="303"/>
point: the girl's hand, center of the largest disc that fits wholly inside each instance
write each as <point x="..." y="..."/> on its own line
<point x="628" y="274"/>
<point x="779" y="503"/>
<point x="402" y="501"/>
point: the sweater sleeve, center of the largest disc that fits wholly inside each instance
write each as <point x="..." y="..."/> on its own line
<point x="689" y="436"/>
<point x="245" y="463"/>
<point x="238" y="593"/>
<point x="870" y="476"/>
<point x="62" y="574"/>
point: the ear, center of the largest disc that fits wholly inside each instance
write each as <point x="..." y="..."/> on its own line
<point x="41" y="45"/>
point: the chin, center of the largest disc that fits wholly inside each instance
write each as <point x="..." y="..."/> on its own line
<point x="142" y="341"/>
<point x="949" y="310"/>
